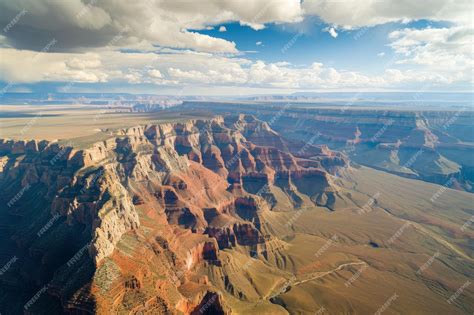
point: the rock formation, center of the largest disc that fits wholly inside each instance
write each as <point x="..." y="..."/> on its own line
<point x="169" y="195"/>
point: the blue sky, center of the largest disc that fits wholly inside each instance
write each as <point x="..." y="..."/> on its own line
<point x="311" y="45"/>
<point x="355" y="50"/>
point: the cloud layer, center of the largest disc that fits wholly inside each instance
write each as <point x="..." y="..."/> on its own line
<point x="201" y="69"/>
<point x="360" y="13"/>
<point x="156" y="41"/>
<point x="77" y="24"/>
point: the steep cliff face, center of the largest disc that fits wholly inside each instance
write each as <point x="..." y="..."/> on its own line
<point x="170" y="195"/>
<point x="430" y="145"/>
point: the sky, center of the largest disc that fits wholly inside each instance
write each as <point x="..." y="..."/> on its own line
<point x="235" y="47"/>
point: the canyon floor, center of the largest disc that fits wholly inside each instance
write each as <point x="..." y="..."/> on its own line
<point x="219" y="209"/>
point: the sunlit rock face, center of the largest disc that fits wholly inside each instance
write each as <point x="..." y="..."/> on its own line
<point x="151" y="202"/>
<point x="429" y="145"/>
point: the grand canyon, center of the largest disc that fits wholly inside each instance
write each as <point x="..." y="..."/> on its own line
<point x="282" y="211"/>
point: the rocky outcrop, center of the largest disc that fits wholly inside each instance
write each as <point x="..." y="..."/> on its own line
<point x="211" y="303"/>
<point x="89" y="186"/>
<point x="225" y="236"/>
<point x="206" y="302"/>
<point x="116" y="216"/>
<point x="365" y="136"/>
<point x="202" y="183"/>
<point x="206" y="251"/>
<point x="244" y="234"/>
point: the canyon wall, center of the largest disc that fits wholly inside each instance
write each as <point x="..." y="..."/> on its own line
<point x="186" y="190"/>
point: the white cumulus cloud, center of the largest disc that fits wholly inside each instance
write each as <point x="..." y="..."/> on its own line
<point x="332" y="31"/>
<point x="76" y="24"/>
<point x="359" y="13"/>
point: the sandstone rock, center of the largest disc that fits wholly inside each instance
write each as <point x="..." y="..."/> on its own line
<point x="201" y="182"/>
